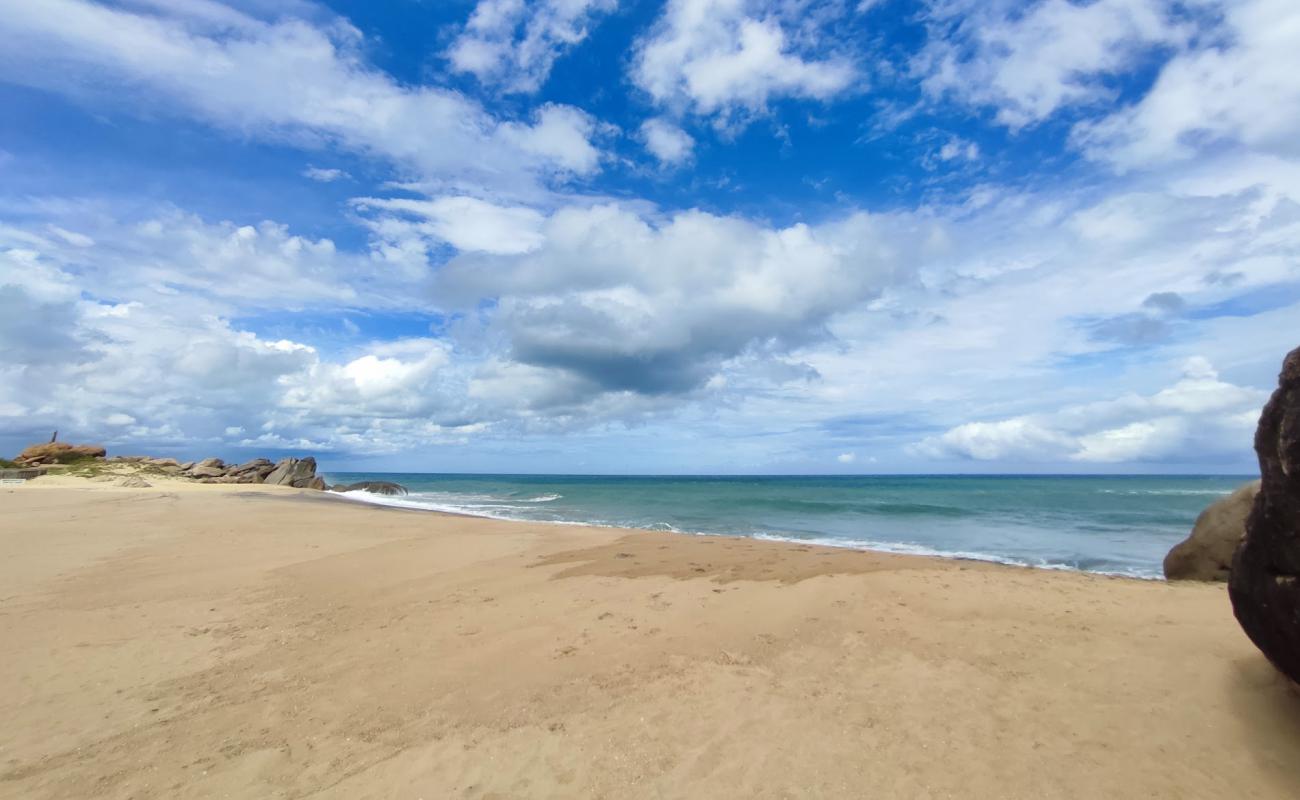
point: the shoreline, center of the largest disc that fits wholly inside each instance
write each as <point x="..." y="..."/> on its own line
<point x="226" y="640"/>
<point x="900" y="549"/>
<point x="378" y="501"/>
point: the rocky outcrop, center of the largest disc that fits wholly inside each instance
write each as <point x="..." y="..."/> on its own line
<point x="297" y="472"/>
<point x="58" y="453"/>
<point x="208" y="468"/>
<point x="254" y="471"/>
<point x="1265" y="581"/>
<point x="134" y="482"/>
<point x="1206" y="555"/>
<point x="374" y="487"/>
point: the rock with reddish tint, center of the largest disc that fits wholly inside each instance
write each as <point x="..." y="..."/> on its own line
<point x="1265" y="581"/>
<point x="58" y="453"/>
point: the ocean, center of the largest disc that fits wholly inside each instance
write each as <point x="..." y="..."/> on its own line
<point x="1119" y="525"/>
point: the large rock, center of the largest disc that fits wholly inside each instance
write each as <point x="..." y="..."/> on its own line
<point x="134" y="482"/>
<point x="374" y="487"/>
<point x="254" y="471"/>
<point x="58" y="453"/>
<point x="292" y="472"/>
<point x="1206" y="555"/>
<point x="1265" y="581"/>
<point x="202" y="470"/>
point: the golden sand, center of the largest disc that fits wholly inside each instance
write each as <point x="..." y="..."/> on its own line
<point x="233" y="641"/>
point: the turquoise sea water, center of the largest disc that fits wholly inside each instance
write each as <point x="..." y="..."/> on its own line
<point x="1111" y="524"/>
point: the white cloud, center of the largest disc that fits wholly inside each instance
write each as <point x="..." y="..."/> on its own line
<point x="1002" y="440"/>
<point x="666" y="141"/>
<point x="846" y="458"/>
<point x="513" y="45"/>
<point x="730" y="58"/>
<point x="325" y="175"/>
<point x="957" y="148"/>
<point x="560" y="137"/>
<point x="323" y="92"/>
<point x="1198" y="416"/>
<point x="656" y="307"/>
<point x="466" y="223"/>
<point x="1240" y="88"/>
<point x="1029" y="63"/>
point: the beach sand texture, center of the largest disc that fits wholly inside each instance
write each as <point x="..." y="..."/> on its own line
<point x="231" y="641"/>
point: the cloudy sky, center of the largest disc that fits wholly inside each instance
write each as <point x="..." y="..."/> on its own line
<point x="789" y="236"/>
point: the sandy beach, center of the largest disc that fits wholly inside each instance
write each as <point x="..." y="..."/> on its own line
<point x="232" y="641"/>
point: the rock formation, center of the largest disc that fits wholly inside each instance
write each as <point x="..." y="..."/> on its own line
<point x="134" y="482"/>
<point x="1265" y="581"/>
<point x="58" y="453"/>
<point x="208" y="468"/>
<point x="297" y="472"/>
<point x="374" y="487"/>
<point x="1206" y="555"/>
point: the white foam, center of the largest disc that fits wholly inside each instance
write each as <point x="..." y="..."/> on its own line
<point x="419" y="502"/>
<point x="1169" y="492"/>
<point x="907" y="548"/>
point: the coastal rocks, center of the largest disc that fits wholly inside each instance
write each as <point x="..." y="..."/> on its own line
<point x="1206" y="555"/>
<point x="254" y="471"/>
<point x="58" y="453"/>
<point x="297" y="472"/>
<point x="1265" y="581"/>
<point x="208" y="468"/>
<point x="374" y="487"/>
<point x="134" y="482"/>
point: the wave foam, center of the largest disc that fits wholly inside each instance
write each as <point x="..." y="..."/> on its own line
<point x="1169" y="492"/>
<point x="499" y="510"/>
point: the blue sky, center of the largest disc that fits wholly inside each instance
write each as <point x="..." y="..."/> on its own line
<point x="735" y="236"/>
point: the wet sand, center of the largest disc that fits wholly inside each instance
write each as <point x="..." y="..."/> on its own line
<point x="230" y="641"/>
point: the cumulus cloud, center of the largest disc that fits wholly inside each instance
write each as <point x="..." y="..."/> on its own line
<point x="157" y="369"/>
<point x="730" y="58"/>
<point x="1198" y="416"/>
<point x="1028" y="64"/>
<point x="513" y="45"/>
<point x="666" y="141"/>
<point x="323" y="93"/>
<point x="1240" y="87"/>
<point x="625" y="303"/>
<point x="466" y="223"/>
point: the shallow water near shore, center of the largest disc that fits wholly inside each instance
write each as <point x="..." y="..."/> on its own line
<point x="1120" y="525"/>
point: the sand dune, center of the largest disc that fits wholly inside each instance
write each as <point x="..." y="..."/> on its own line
<point x="200" y="641"/>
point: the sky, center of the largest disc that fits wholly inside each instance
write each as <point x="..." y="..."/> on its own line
<point x="693" y="236"/>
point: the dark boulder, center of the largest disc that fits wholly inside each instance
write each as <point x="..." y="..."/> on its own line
<point x="1206" y="555"/>
<point x="1265" y="581"/>
<point x="374" y="487"/>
